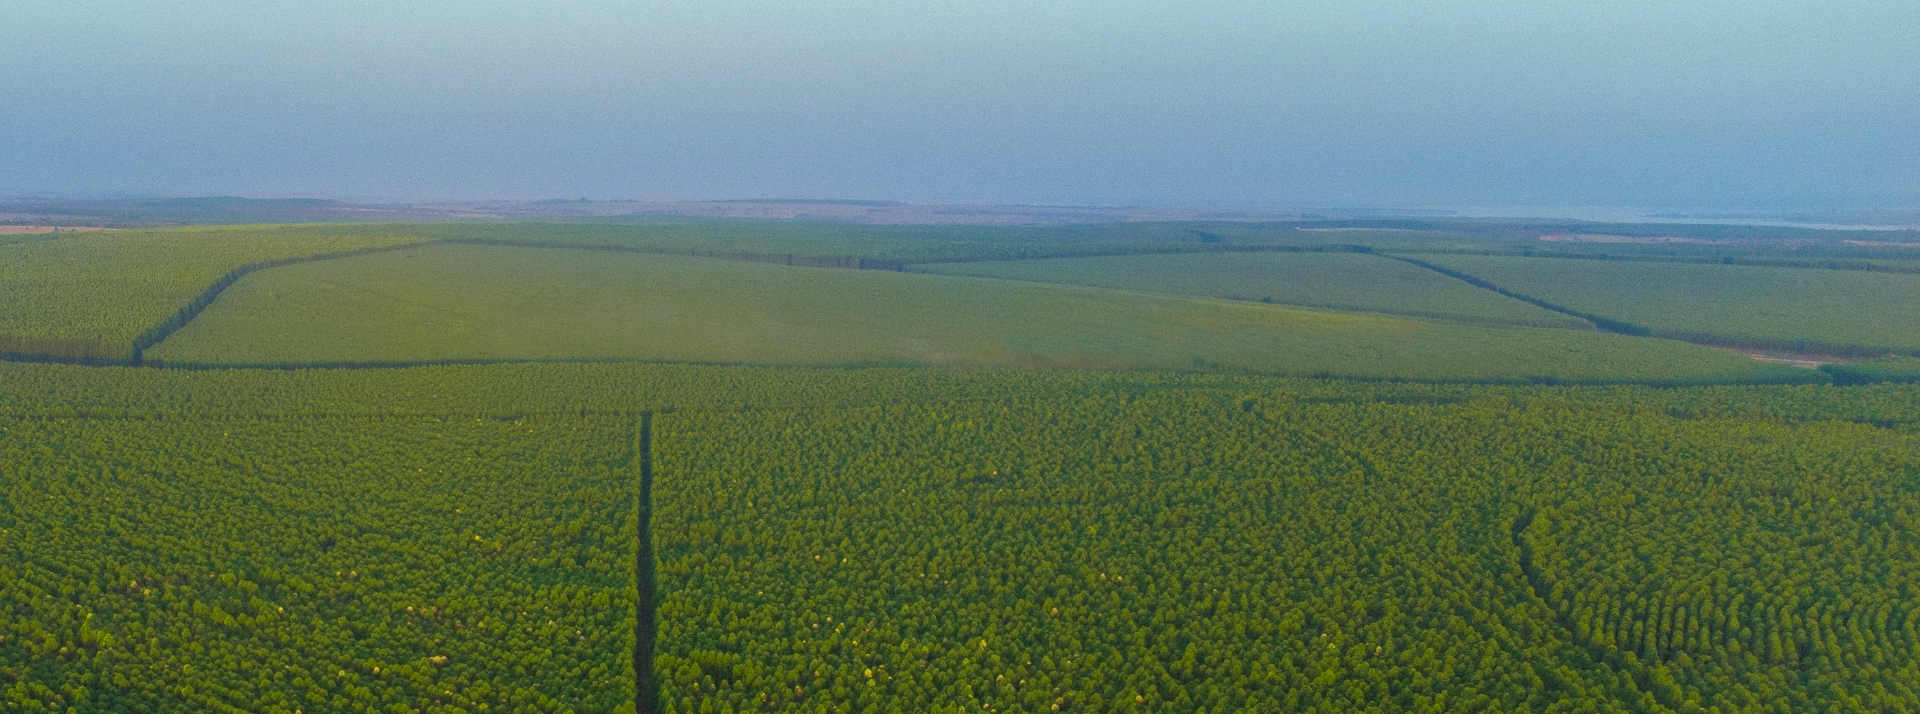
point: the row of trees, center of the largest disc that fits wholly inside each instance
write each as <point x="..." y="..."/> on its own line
<point x="99" y="296"/>
<point x="935" y="541"/>
<point x="509" y="389"/>
<point x="1748" y="561"/>
<point x="1853" y="313"/>
<point x="106" y="296"/>
<point x="317" y="565"/>
<point x="1193" y="551"/>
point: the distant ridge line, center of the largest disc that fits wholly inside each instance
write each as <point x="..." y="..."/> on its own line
<point x="806" y="201"/>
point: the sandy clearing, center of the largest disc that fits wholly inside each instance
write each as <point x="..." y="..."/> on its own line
<point x="1803" y="360"/>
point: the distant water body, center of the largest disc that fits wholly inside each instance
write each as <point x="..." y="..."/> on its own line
<point x="1616" y="214"/>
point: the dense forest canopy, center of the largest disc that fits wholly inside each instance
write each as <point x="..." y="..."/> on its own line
<point x="1546" y="483"/>
<point x="1017" y="541"/>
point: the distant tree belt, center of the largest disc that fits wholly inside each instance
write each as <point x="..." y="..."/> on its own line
<point x="1872" y="265"/>
<point x="1846" y="313"/>
<point x="1124" y="249"/>
<point x="185" y="314"/>
<point x="806" y="261"/>
<point x="877" y="263"/>
<point x="1604" y="323"/>
<point x="624" y="389"/>
<point x="56" y="348"/>
<point x="949" y="540"/>
<point x="103" y="297"/>
<point x="473" y="303"/>
<point x="1892" y="369"/>
<point x="1840" y="350"/>
<point x="106" y="297"/>
<point x="1347" y="280"/>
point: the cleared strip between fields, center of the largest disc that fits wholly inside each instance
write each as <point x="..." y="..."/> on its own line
<point x="1605" y="324"/>
<point x="646" y="628"/>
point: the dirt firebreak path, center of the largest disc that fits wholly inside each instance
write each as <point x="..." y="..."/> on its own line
<point x="646" y="695"/>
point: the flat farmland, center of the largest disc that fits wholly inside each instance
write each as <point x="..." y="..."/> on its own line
<point x="1842" y="310"/>
<point x="93" y="295"/>
<point x="1339" y="281"/>
<point x="490" y="303"/>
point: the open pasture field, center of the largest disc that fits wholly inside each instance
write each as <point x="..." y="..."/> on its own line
<point x="851" y="245"/>
<point x="1901" y="265"/>
<point x="13" y="239"/>
<point x="1333" y="280"/>
<point x="472" y="303"/>
<point x="19" y="230"/>
<point x="1848" y="311"/>
<point x="107" y="295"/>
<point x="94" y="295"/>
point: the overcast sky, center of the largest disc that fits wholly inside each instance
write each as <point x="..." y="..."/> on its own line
<point x="1705" y="103"/>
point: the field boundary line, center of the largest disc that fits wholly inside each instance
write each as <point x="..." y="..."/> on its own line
<point x="1784" y="344"/>
<point x="160" y="332"/>
<point x="1519" y="380"/>
<point x="1605" y="324"/>
<point x="193" y="309"/>
<point x="1151" y="249"/>
<point x="849" y="262"/>
<point x="646" y="626"/>
<point x="1836" y="264"/>
<point x="1844" y="351"/>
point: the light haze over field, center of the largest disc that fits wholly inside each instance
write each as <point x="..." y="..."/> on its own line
<point x="1769" y="103"/>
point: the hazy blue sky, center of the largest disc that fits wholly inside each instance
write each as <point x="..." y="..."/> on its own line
<point x="1762" y="103"/>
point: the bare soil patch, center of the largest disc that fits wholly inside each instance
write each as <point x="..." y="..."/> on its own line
<point x="1803" y="360"/>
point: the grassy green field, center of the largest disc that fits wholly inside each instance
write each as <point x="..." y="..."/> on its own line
<point x="1896" y="265"/>
<point x="461" y="302"/>
<point x="92" y="295"/>
<point x="1893" y="368"/>
<point x="691" y="478"/>
<point x="105" y="296"/>
<point x="1340" y="281"/>
<point x="772" y="240"/>
<point x="7" y="239"/>
<point x="1841" y="310"/>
